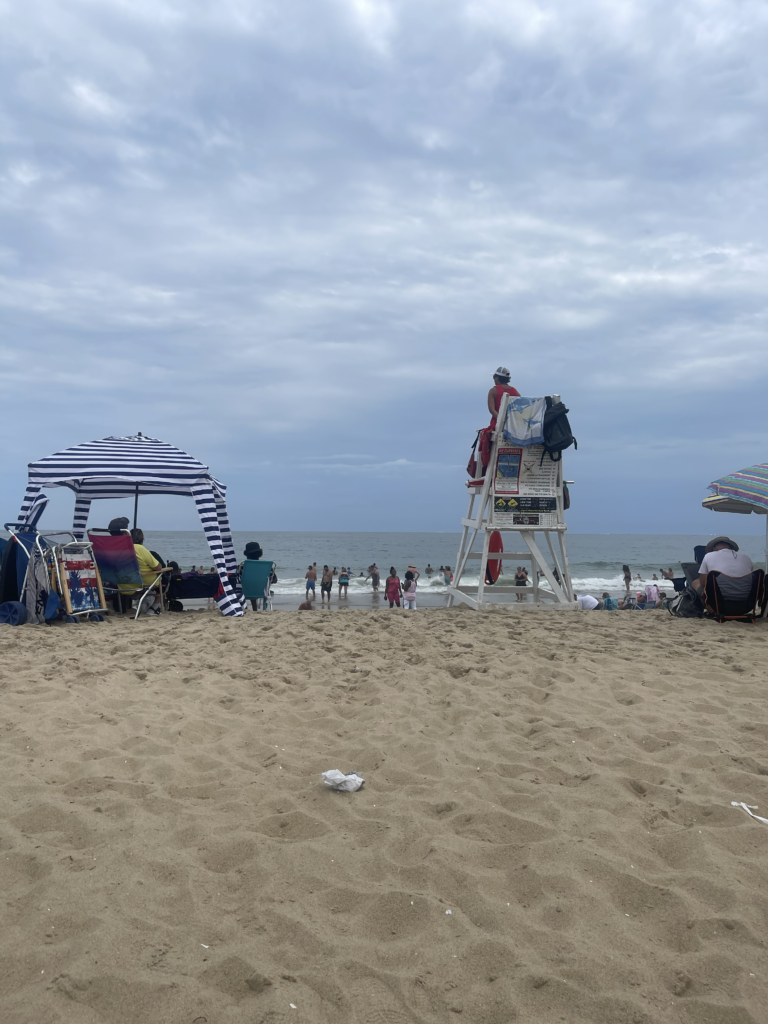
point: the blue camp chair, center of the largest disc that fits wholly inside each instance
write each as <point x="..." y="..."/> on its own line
<point x="254" y="579"/>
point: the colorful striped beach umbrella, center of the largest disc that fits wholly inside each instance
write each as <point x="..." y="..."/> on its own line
<point x="743" y="492"/>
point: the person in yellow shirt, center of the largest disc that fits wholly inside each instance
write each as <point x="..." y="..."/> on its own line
<point x="148" y="564"/>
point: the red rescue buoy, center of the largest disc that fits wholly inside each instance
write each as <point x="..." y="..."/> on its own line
<point x="494" y="566"/>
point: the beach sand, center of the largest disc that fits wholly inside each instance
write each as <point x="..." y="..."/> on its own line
<point x="545" y="833"/>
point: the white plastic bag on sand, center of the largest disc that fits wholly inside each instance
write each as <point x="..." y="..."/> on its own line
<point x="344" y="783"/>
<point x="749" y="808"/>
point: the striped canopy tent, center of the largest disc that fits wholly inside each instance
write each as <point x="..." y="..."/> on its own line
<point x="743" y="492"/>
<point x="127" y="467"/>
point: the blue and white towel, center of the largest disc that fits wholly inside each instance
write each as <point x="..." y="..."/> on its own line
<point x="524" y="424"/>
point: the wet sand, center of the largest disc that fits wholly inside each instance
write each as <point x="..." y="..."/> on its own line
<point x="561" y="783"/>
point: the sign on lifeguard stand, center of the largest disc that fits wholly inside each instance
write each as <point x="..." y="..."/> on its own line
<point x="520" y="495"/>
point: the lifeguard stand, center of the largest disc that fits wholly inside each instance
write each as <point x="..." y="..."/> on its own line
<point x="520" y="495"/>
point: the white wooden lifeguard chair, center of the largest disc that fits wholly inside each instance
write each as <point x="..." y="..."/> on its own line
<point x="520" y="495"/>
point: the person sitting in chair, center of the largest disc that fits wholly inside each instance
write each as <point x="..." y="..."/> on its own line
<point x="254" y="552"/>
<point x="149" y="567"/>
<point x="734" y="569"/>
<point x="500" y="387"/>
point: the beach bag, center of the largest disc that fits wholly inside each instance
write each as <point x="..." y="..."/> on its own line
<point x="557" y="431"/>
<point x="686" y="606"/>
<point x="472" y="464"/>
<point x="485" y="445"/>
<point x="481" y="447"/>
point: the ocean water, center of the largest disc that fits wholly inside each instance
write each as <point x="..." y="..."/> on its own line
<point x="595" y="559"/>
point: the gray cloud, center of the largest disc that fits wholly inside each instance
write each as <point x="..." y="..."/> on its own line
<point x="256" y="229"/>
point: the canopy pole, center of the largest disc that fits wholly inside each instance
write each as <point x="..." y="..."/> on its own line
<point x="136" y="506"/>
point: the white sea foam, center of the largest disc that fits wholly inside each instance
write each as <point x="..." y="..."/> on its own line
<point x="598" y="585"/>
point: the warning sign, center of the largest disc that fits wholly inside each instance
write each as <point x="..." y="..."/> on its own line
<point x="524" y="489"/>
<point x="536" y="504"/>
<point x="504" y="505"/>
<point x="505" y="518"/>
<point x="507" y="480"/>
<point x="521" y="471"/>
<point x="538" y="478"/>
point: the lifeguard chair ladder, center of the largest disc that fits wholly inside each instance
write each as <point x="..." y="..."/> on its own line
<point x="481" y="521"/>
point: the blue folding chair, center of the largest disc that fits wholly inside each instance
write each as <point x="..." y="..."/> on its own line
<point x="255" y="577"/>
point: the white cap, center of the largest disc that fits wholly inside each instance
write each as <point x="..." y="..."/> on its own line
<point x="501" y="371"/>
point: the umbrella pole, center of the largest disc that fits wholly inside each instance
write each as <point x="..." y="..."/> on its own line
<point x="136" y="506"/>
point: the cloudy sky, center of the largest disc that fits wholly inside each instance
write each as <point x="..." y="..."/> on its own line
<point x="296" y="238"/>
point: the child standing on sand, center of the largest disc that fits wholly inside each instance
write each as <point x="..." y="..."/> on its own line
<point x="393" y="589"/>
<point x="409" y="592"/>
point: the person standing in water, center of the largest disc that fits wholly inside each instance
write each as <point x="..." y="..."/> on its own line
<point x="343" y="582"/>
<point x="501" y="386"/>
<point x="374" y="576"/>
<point x="409" y="592"/>
<point x="326" y="585"/>
<point x="311" y="577"/>
<point x="627" y="576"/>
<point x="393" y="590"/>
<point x="429" y="570"/>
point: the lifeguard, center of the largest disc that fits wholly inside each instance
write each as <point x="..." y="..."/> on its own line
<point x="500" y="387"/>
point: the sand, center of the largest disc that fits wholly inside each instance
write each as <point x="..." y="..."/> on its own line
<point x="545" y="834"/>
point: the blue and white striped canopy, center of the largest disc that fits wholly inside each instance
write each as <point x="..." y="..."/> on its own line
<point x="115" y="466"/>
<point x="122" y="467"/>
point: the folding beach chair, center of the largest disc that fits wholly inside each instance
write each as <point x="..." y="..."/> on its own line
<point x="254" y="578"/>
<point x="119" y="567"/>
<point x="727" y="609"/>
<point x="75" y="572"/>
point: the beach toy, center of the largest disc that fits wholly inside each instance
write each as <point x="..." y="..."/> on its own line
<point x="349" y="783"/>
<point x="13" y="613"/>
<point x="494" y="567"/>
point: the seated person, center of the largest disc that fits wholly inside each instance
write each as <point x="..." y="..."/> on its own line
<point x="734" y="569"/>
<point x="587" y="603"/>
<point x="254" y="552"/>
<point x="500" y="387"/>
<point x="610" y="604"/>
<point x="149" y="567"/>
<point x="652" y="596"/>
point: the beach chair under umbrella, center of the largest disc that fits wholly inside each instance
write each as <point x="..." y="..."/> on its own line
<point x="127" y="467"/>
<point x="743" y="492"/>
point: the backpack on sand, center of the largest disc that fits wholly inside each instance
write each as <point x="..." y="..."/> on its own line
<point x="686" y="605"/>
<point x="557" y="431"/>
